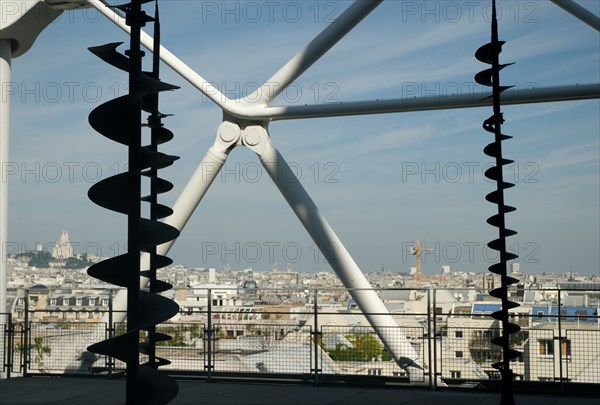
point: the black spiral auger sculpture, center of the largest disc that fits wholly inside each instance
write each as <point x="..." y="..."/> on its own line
<point x="121" y="121"/>
<point x="489" y="53"/>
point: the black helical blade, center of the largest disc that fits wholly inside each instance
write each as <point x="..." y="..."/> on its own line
<point x="158" y="362"/>
<point x="148" y="103"/>
<point x="489" y="54"/>
<point x="490" y="126"/>
<point x="127" y="9"/>
<point x="497" y="269"/>
<point x="158" y="285"/>
<point x="113" y="270"/>
<point x="110" y="119"/>
<point x="485" y="76"/>
<point x="116" y="347"/>
<point x="120" y="121"/>
<point x="158" y="387"/>
<point x="108" y="193"/>
<point x="513" y="354"/>
<point x="160" y="210"/>
<point x="108" y="53"/>
<point x="492" y="150"/>
<point x="151" y="85"/>
<point x="494" y="198"/>
<point x="496" y="220"/>
<point x="154" y="309"/>
<point x="162" y="186"/>
<point x="159" y="337"/>
<point x="161" y="261"/>
<point x="155" y="233"/>
<point x="150" y="158"/>
<point x="162" y="134"/>
<point x="512" y="328"/>
<point x="493" y="173"/>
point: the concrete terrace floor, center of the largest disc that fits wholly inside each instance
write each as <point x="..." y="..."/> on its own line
<point x="88" y="391"/>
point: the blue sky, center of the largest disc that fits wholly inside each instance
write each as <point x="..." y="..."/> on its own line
<point x="382" y="181"/>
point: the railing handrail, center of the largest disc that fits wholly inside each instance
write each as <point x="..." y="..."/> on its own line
<point x="427" y="324"/>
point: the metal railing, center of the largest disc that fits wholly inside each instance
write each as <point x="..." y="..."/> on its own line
<point x="318" y="341"/>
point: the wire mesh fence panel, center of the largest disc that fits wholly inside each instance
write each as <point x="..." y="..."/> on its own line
<point x="185" y="350"/>
<point x="119" y="329"/>
<point x="58" y="347"/>
<point x="18" y="354"/>
<point x="278" y="338"/>
<point x="580" y="355"/>
<point x="418" y="339"/>
<point x="5" y="346"/>
<point x="540" y="362"/>
<point x="266" y="348"/>
<point x="358" y="350"/>
<point x="468" y="353"/>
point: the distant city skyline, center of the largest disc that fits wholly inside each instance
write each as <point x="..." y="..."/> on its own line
<point x="383" y="181"/>
<point x="253" y="255"/>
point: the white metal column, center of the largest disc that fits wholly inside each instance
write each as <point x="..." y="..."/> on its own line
<point x="5" y="59"/>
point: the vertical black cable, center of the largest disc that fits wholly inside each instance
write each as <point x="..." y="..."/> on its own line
<point x="121" y="120"/>
<point x="489" y="53"/>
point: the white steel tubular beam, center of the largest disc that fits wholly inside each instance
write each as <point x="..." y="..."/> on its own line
<point x="184" y="207"/>
<point x="262" y="112"/>
<point x="335" y="252"/>
<point x="5" y="77"/>
<point x="433" y="102"/>
<point x="576" y="10"/>
<point x="194" y="191"/>
<point x="312" y="52"/>
<point x="173" y="61"/>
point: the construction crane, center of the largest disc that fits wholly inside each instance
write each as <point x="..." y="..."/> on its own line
<point x="416" y="250"/>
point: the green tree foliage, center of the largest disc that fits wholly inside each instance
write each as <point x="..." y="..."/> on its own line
<point x="74" y="263"/>
<point x="40" y="260"/>
<point x="27" y="255"/>
<point x="181" y="336"/>
<point x="38" y="350"/>
<point x="366" y="348"/>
